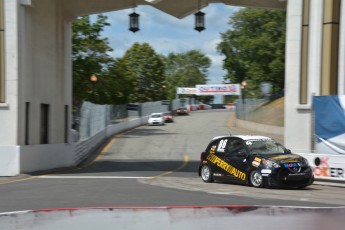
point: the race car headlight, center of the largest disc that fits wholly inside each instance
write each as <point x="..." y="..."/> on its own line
<point x="305" y="162"/>
<point x="270" y="164"/>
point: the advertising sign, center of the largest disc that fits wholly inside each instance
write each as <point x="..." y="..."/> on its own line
<point x="225" y="89"/>
<point x="329" y="114"/>
<point x="328" y="161"/>
<point x="325" y="166"/>
<point x="184" y="90"/>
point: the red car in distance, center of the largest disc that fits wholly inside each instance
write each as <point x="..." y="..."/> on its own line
<point x="182" y="111"/>
<point x="168" y="117"/>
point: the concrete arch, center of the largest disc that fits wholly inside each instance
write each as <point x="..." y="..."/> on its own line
<point x="38" y="67"/>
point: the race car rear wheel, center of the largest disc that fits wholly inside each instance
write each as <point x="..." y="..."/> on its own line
<point x="256" y="179"/>
<point x="206" y="173"/>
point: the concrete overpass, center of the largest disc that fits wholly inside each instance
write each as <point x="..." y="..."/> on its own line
<point x="36" y="70"/>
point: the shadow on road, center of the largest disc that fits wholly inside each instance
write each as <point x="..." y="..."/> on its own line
<point x="152" y="131"/>
<point x="116" y="166"/>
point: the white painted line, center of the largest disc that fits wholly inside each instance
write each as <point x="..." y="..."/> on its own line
<point x="223" y="193"/>
<point x="92" y="177"/>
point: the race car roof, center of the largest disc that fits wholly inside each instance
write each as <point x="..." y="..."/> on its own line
<point x="252" y="137"/>
<point x="246" y="137"/>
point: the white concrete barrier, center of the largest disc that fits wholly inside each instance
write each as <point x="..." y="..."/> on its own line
<point x="179" y="218"/>
<point x="9" y="160"/>
<point x="85" y="148"/>
<point x="31" y="158"/>
<point x="44" y="157"/>
<point x="326" y="167"/>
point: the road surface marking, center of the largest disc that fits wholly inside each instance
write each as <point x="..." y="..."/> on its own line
<point x="91" y="177"/>
<point x="18" y="180"/>
<point x="185" y="162"/>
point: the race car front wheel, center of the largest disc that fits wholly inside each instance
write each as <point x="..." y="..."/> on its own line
<point x="256" y="179"/>
<point x="206" y="173"/>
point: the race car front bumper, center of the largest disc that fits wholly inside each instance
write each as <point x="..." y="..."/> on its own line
<point x="290" y="180"/>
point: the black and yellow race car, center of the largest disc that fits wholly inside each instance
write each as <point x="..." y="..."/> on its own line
<point x="254" y="160"/>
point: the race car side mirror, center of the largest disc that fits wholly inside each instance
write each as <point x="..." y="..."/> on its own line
<point x="287" y="151"/>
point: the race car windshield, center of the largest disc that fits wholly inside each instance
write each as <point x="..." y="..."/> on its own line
<point x="264" y="147"/>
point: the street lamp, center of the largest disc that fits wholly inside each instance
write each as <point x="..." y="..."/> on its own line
<point x="199" y="21"/>
<point x="93" y="80"/>
<point x="164" y="92"/>
<point x="134" y="22"/>
<point x="243" y="88"/>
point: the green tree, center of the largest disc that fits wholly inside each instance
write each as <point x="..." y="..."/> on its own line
<point x="185" y="70"/>
<point x="254" y="47"/>
<point x="119" y="83"/>
<point x="90" y="56"/>
<point x="146" y="72"/>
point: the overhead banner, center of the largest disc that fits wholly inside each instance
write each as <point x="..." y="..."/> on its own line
<point x="330" y="124"/>
<point x="184" y="90"/>
<point x="225" y="89"/>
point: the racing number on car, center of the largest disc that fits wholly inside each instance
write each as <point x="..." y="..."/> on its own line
<point x="222" y="144"/>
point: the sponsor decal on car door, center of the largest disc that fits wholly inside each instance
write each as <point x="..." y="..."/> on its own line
<point x="218" y="157"/>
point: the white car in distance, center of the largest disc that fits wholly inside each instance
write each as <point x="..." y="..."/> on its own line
<point x="156" y="119"/>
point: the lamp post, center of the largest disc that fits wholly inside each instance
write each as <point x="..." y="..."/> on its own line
<point x="199" y="21"/>
<point x="93" y="80"/>
<point x="243" y="88"/>
<point x="164" y="91"/>
<point x="134" y="22"/>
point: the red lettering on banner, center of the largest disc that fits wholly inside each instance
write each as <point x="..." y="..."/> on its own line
<point x="324" y="162"/>
<point x="317" y="171"/>
<point x="323" y="168"/>
<point x="321" y="171"/>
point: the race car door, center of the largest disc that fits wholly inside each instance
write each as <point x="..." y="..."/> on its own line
<point x="234" y="155"/>
<point x="216" y="154"/>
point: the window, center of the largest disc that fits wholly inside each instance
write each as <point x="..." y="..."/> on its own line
<point x="265" y="147"/>
<point x="234" y="146"/>
<point x="44" y="129"/>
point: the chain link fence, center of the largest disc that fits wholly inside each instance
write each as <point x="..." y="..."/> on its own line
<point x="94" y="118"/>
<point x="260" y="111"/>
<point x="246" y="108"/>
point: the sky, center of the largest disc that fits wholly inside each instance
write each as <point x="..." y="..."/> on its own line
<point x="167" y="34"/>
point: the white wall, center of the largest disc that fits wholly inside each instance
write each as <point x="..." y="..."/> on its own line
<point x="44" y="157"/>
<point x="298" y="131"/>
<point x="45" y="75"/>
<point x="9" y="109"/>
<point x="38" y="70"/>
<point x="9" y="160"/>
<point x="341" y="74"/>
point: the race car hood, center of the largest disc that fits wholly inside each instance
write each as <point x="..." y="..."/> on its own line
<point x="286" y="158"/>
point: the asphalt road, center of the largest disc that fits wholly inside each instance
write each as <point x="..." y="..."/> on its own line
<point x="154" y="166"/>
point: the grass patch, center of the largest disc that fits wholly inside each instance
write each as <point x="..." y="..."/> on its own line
<point x="271" y="113"/>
